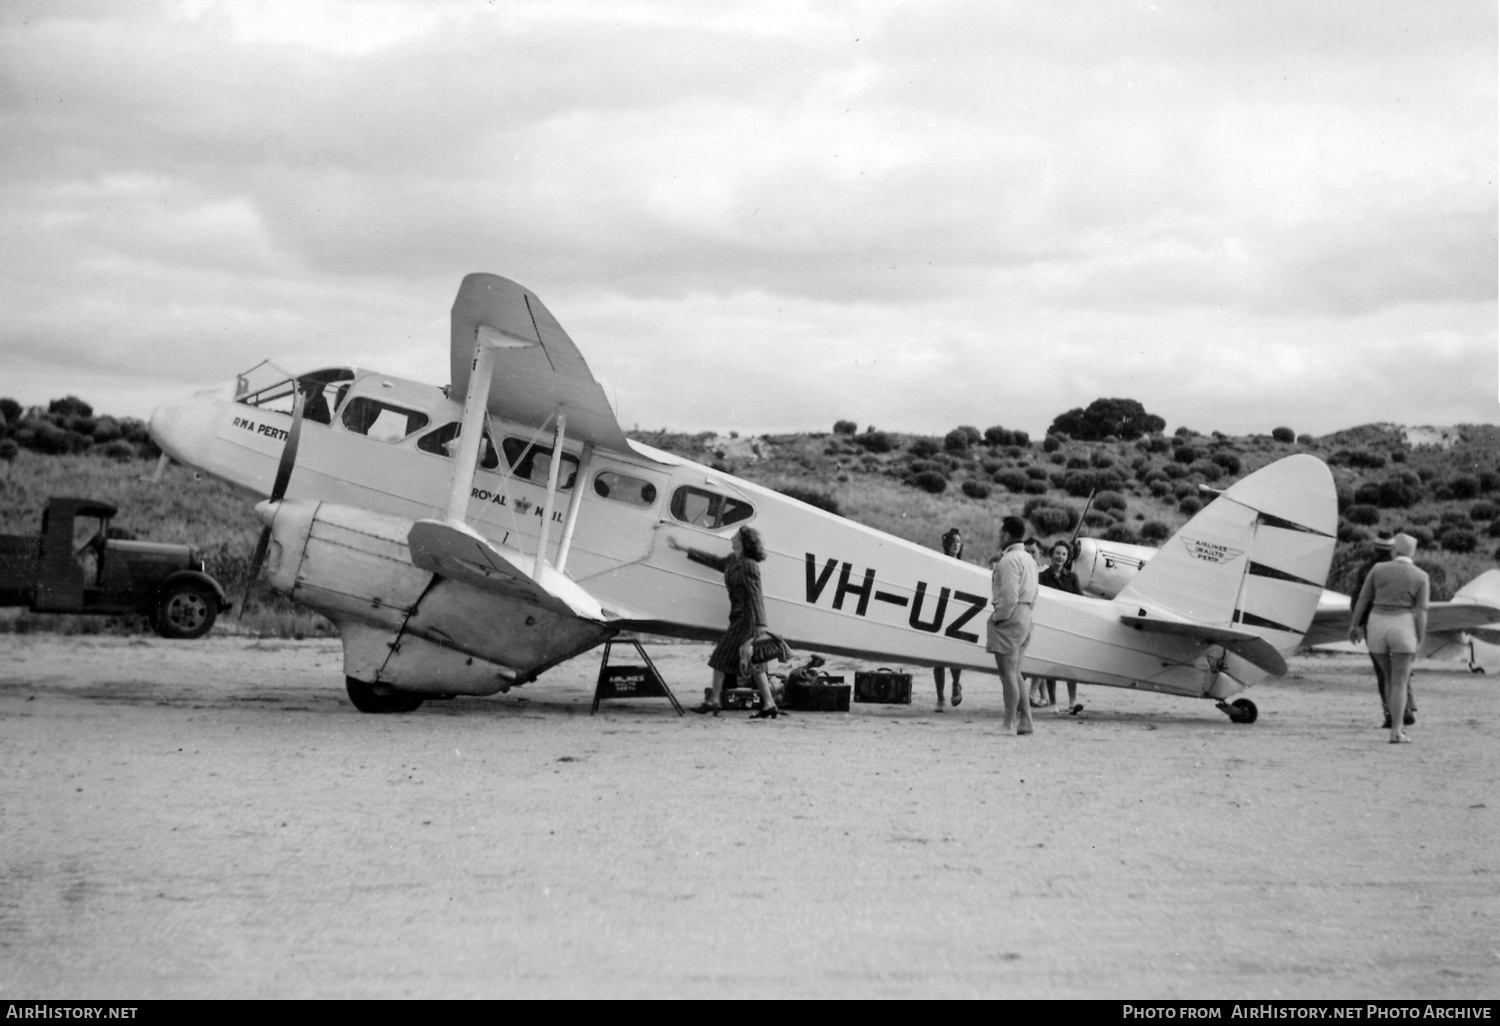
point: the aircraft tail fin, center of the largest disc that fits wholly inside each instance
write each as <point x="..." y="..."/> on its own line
<point x="1253" y="561"/>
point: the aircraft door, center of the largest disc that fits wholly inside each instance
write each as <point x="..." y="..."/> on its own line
<point x="617" y="519"/>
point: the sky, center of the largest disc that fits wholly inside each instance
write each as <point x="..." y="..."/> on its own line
<point x="768" y="216"/>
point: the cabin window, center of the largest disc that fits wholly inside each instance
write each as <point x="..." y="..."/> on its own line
<point x="534" y="463"/>
<point x="268" y="387"/>
<point x="444" y="442"/>
<point x="620" y="488"/>
<point x="708" y="509"/>
<point x="382" y="421"/>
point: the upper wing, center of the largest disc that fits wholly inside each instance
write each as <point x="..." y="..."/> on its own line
<point x="537" y="367"/>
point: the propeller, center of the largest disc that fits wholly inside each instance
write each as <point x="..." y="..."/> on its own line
<point x="278" y="490"/>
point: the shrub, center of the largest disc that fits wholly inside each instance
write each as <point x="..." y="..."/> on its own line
<point x="1035" y="487"/>
<point x="1174" y="471"/>
<point x="1493" y="532"/>
<point x="976" y="489"/>
<point x="1229" y="461"/>
<point x="998" y="436"/>
<point x="1038" y="473"/>
<point x="1051" y="443"/>
<point x="876" y="441"/>
<point x="1160" y="488"/>
<point x="1120" y="418"/>
<point x="119" y="450"/>
<point x="1285" y="435"/>
<point x="1155" y="531"/>
<point x="1185" y="454"/>
<point x="845" y="427"/>
<point x="1207" y="469"/>
<point x="1101" y="460"/>
<point x="1012" y="480"/>
<point x="1190" y="505"/>
<point x="1464" y="486"/>
<point x="1303" y="440"/>
<point x="1364" y="514"/>
<point x="923" y="448"/>
<point x="1488" y="481"/>
<point x="1121" y="533"/>
<point x="931" y="481"/>
<point x="812" y="497"/>
<point x="1077" y="463"/>
<point x="1109" y="500"/>
<point x="1078" y="483"/>
<point x="1397" y="493"/>
<point x="70" y="406"/>
<point x="958" y="440"/>
<point x="1049" y="520"/>
<point x="1459" y="539"/>
<point x="1021" y="438"/>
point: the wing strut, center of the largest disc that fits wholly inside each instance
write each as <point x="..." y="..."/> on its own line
<point x="476" y="402"/>
<point x="552" y="472"/>
<point x="574" y="501"/>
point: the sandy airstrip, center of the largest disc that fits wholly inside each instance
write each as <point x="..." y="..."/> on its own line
<point x="213" y="819"/>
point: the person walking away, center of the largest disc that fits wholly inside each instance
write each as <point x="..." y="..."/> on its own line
<point x="1014" y="592"/>
<point x="747" y="618"/>
<point x="953" y="545"/>
<point x="1382" y="554"/>
<point x="1057" y="575"/>
<point x="1395" y="596"/>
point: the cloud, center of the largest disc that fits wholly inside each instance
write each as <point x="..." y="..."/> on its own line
<point x="912" y="214"/>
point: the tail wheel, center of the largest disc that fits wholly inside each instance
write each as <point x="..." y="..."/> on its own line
<point x="1241" y="710"/>
<point x="379" y="698"/>
<point x="186" y="611"/>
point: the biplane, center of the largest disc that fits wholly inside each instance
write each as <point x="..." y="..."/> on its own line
<point x="466" y="539"/>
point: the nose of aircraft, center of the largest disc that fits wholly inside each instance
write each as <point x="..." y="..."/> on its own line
<point x="184" y="428"/>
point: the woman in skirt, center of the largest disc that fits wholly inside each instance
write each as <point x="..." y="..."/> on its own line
<point x="747" y="618"/>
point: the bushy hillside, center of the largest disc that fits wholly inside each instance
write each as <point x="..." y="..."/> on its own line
<point x="1446" y="493"/>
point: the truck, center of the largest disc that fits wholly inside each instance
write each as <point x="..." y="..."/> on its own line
<point x="76" y="567"/>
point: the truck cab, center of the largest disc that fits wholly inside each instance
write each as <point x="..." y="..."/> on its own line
<point x="76" y="567"/>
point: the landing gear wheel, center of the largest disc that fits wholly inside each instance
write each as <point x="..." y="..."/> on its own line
<point x="185" y="611"/>
<point x="379" y="698"/>
<point x="1241" y="710"/>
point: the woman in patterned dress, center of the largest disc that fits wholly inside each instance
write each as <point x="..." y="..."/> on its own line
<point x="747" y="618"/>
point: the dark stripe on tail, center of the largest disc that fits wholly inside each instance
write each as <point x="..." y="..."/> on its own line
<point x="1270" y="521"/>
<point x="1261" y="570"/>
<point x="1251" y="620"/>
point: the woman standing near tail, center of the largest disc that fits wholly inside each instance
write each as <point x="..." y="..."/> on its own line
<point x="1395" y="595"/>
<point x="747" y="618"/>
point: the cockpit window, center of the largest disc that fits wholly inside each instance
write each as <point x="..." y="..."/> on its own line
<point x="620" y="488"/>
<point x="266" y="386"/>
<point x="444" y="442"/>
<point x="708" y="509"/>
<point x="382" y="421"/>
<point x="534" y="463"/>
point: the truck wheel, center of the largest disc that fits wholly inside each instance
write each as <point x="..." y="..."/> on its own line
<point x="378" y="698"/>
<point x="186" y="611"/>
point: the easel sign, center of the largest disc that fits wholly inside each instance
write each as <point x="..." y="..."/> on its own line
<point x="631" y="681"/>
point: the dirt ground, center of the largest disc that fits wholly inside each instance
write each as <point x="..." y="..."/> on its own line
<point x="213" y="819"/>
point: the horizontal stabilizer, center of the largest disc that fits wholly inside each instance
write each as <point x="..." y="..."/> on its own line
<point x="457" y="551"/>
<point x="1250" y="647"/>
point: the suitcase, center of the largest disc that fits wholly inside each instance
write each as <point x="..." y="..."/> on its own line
<point x="824" y="694"/>
<point x="884" y="686"/>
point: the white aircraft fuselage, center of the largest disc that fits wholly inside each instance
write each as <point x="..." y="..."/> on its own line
<point x="376" y="462"/>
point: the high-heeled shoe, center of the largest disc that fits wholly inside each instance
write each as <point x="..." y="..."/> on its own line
<point x="766" y="714"/>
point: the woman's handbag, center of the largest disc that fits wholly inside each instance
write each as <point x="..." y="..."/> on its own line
<point x="769" y="647"/>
